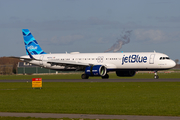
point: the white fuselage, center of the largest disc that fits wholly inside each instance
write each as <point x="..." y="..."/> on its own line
<point x="112" y="61"/>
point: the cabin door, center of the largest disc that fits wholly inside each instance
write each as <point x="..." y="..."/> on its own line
<point x="151" y="60"/>
<point x="41" y="58"/>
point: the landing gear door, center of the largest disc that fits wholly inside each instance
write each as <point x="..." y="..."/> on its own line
<point x="41" y="58"/>
<point x="151" y="60"/>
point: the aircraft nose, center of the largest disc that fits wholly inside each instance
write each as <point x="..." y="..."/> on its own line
<point x="172" y="64"/>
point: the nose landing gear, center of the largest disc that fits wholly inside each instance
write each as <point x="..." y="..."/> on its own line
<point x="155" y="75"/>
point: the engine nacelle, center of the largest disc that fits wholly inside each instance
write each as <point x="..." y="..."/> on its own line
<point x="96" y="70"/>
<point x="125" y="73"/>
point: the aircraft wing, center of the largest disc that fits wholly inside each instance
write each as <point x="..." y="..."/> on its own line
<point x="68" y="63"/>
<point x="59" y="62"/>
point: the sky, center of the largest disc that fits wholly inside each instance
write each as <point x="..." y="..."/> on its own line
<point x="91" y="26"/>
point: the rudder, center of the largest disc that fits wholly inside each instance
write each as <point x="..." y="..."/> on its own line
<point x="31" y="44"/>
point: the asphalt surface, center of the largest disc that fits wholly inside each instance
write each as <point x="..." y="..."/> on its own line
<point x="123" y="117"/>
<point x="100" y="80"/>
<point x="127" y="117"/>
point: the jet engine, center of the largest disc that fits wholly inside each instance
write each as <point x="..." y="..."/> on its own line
<point x="96" y="70"/>
<point x="125" y="73"/>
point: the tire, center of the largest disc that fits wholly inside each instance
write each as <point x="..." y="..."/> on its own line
<point x="105" y="77"/>
<point x="84" y="76"/>
<point x="156" y="77"/>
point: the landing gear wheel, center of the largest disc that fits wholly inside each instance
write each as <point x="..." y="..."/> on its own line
<point x="156" y="77"/>
<point x="105" y="77"/>
<point x="84" y="76"/>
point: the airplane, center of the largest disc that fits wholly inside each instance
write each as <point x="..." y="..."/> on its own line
<point x="95" y="64"/>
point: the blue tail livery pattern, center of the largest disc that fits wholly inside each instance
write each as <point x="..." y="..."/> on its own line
<point x="31" y="44"/>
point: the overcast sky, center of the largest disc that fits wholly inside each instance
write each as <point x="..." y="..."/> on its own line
<point x="91" y="25"/>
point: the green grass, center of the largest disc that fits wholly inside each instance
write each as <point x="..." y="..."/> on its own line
<point x="31" y="118"/>
<point x="78" y="76"/>
<point x="123" y="98"/>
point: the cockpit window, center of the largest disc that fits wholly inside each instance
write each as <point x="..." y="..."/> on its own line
<point x="164" y="58"/>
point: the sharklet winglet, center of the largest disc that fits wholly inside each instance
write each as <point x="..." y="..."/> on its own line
<point x="32" y="56"/>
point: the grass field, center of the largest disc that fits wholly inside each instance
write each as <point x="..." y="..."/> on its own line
<point x="123" y="98"/>
<point x="29" y="118"/>
<point x="172" y="75"/>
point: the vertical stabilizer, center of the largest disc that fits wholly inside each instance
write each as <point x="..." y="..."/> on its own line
<point x="31" y="44"/>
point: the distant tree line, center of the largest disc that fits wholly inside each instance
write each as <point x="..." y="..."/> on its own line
<point x="8" y="65"/>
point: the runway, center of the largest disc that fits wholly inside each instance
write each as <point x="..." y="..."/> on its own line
<point x="81" y="116"/>
<point x="99" y="80"/>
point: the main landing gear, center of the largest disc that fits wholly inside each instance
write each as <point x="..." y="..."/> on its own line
<point x="84" y="76"/>
<point x="105" y="77"/>
<point x="155" y="75"/>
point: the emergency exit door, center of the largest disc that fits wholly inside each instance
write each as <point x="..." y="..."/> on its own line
<point x="41" y="58"/>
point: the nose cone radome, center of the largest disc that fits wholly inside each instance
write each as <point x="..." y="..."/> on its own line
<point x="172" y="64"/>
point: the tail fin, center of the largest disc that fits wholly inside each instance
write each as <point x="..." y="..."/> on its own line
<point x="31" y="44"/>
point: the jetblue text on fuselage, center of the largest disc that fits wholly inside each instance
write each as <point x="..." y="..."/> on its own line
<point x="134" y="59"/>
